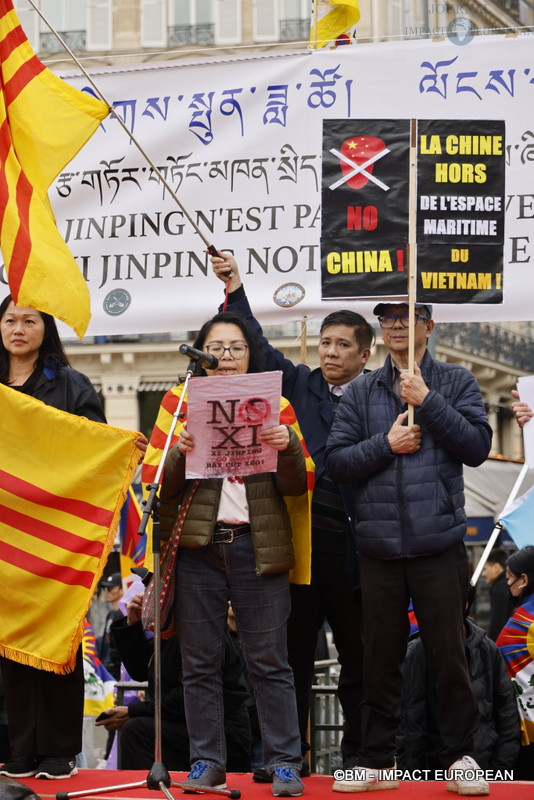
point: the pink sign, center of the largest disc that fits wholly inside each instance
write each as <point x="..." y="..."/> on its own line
<point x="226" y="414"/>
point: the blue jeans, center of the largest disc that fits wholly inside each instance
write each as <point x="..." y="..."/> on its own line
<point x="206" y="579"/>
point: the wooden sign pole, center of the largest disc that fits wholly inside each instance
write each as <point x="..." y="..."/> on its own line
<point x="411" y="254"/>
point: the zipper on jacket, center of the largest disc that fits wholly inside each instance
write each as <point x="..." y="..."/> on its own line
<point x="400" y="493"/>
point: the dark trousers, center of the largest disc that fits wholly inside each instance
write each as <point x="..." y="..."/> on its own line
<point x="438" y="586"/>
<point x="329" y="597"/>
<point x="137" y="743"/>
<point x="44" y="710"/>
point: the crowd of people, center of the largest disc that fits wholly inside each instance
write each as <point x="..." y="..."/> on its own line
<point x="387" y="526"/>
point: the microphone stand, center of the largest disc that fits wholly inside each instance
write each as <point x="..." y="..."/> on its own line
<point x="158" y="777"/>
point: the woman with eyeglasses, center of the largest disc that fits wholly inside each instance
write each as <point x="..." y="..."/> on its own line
<point x="515" y="641"/>
<point x="236" y="545"/>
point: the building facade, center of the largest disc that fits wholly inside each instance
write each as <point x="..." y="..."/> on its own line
<point x="110" y="31"/>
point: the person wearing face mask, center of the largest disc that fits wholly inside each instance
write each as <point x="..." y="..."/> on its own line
<point x="235" y="545"/>
<point x="515" y="643"/>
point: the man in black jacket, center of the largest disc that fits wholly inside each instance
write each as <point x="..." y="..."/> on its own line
<point x="407" y="482"/>
<point x="136" y="720"/>
<point x="333" y="594"/>
<point x="498" y="737"/>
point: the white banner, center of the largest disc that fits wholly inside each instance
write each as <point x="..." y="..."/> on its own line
<point x="239" y="141"/>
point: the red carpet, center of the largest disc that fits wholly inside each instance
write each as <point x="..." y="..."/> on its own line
<point x="318" y="786"/>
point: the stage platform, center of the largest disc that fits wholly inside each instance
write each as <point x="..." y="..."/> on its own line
<point x="316" y="786"/>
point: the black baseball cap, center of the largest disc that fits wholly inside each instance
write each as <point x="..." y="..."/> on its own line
<point x="380" y="309"/>
<point x="115" y="579"/>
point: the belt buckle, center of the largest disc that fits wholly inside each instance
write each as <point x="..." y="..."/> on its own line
<point x="227" y="531"/>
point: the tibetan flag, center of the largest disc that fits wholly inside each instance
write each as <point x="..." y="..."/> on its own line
<point x="132" y="546"/>
<point x="517" y="519"/>
<point x="63" y="480"/>
<point x="299" y="508"/>
<point x="330" y="20"/>
<point x="516" y="643"/>
<point x="44" y="122"/>
<point x="99" y="683"/>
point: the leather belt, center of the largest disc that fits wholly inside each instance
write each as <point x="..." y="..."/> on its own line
<point x="225" y="532"/>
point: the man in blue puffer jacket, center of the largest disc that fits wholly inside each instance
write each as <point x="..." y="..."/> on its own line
<point x="408" y="489"/>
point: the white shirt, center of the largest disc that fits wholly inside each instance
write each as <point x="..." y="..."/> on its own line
<point x="233" y="506"/>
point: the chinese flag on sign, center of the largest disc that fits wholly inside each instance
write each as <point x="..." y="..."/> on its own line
<point x="331" y="19"/>
<point x="44" y="122"/>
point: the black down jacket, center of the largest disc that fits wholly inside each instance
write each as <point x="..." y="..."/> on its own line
<point x="413" y="504"/>
<point x="497" y="739"/>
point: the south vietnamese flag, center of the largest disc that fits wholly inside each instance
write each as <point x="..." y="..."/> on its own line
<point x="63" y="480"/>
<point x="44" y="122"/>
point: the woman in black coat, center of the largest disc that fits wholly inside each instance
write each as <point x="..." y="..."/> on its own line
<point x="44" y="709"/>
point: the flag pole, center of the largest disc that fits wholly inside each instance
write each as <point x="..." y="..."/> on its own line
<point x="498" y="527"/>
<point x="314" y="23"/>
<point x="411" y="257"/>
<point x="303" y="338"/>
<point x="211" y="249"/>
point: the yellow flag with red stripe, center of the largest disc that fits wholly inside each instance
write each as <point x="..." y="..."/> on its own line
<point x="63" y="480"/>
<point x="44" y="122"/>
<point x="299" y="508"/>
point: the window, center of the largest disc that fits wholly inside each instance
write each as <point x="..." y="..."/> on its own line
<point x="204" y="22"/>
<point x="191" y="23"/>
<point x="266" y="21"/>
<point x="67" y="17"/>
<point x="295" y="20"/>
<point x="153" y="23"/>
<point x="227" y="21"/>
<point x="99" y="24"/>
<point x="282" y="20"/>
<point x="396" y="25"/>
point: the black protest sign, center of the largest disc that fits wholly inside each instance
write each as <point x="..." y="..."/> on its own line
<point x="460" y="211"/>
<point x="365" y="208"/>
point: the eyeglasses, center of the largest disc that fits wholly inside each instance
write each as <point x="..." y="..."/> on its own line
<point x="389" y="320"/>
<point x="237" y="351"/>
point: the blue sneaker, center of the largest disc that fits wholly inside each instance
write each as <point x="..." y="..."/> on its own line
<point x="286" y="782"/>
<point x="205" y="775"/>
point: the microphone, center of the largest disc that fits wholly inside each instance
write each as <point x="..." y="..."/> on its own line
<point x="205" y="360"/>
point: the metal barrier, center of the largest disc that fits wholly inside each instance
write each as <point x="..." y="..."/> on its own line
<point x="326" y="719"/>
